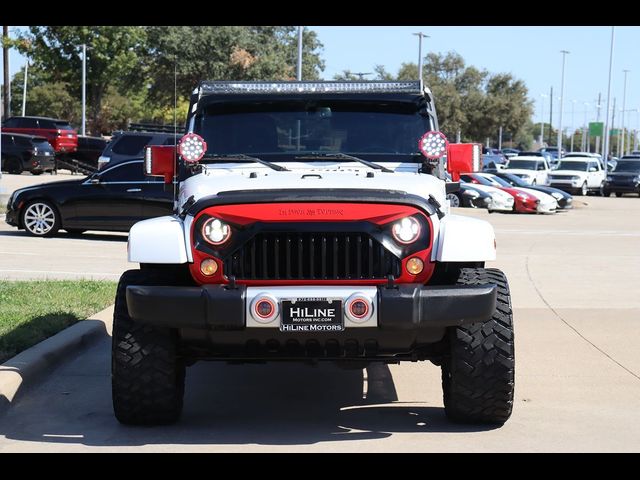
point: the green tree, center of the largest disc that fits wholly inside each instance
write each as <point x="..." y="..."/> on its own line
<point x="44" y="98"/>
<point x="198" y="53"/>
<point x="113" y="60"/>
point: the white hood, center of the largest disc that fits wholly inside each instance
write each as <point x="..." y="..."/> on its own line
<point x="318" y="175"/>
<point x="578" y="173"/>
<point x="521" y="171"/>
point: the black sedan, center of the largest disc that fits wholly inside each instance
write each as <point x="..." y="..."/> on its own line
<point x="564" y="199"/>
<point x="113" y="199"/>
<point x="625" y="178"/>
<point x="469" y="196"/>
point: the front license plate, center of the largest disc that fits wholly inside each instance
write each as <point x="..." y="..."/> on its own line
<point x="312" y="315"/>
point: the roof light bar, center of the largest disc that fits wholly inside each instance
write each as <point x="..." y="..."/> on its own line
<point x="208" y="88"/>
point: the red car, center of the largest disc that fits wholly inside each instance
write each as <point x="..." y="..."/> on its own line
<point x="62" y="137"/>
<point x="523" y="202"/>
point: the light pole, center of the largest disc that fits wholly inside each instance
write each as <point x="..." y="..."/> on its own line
<point x="624" y="100"/>
<point x="24" y="88"/>
<point x="605" y="150"/>
<point x="299" y="69"/>
<point x="573" y="128"/>
<point x="543" y="96"/>
<point x="585" y="129"/>
<point x="420" y="37"/>
<point x="564" y="54"/>
<point x="84" y="88"/>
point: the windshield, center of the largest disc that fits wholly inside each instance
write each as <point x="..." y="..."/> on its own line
<point x="283" y="130"/>
<point x="628" y="166"/>
<point x="524" y="164"/>
<point x="512" y="179"/>
<point x="499" y="181"/>
<point x="573" y="165"/>
<point x="63" y="126"/>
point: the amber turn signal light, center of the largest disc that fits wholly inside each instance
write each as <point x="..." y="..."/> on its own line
<point x="208" y="267"/>
<point x="415" y="266"/>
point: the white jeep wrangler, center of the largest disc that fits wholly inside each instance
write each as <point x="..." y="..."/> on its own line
<point x="311" y="225"/>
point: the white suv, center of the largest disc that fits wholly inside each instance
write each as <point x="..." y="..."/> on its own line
<point x="533" y="170"/>
<point x="579" y="175"/>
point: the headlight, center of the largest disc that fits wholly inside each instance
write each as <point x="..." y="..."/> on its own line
<point x="636" y="179"/>
<point x="471" y="193"/>
<point x="557" y="196"/>
<point x="610" y="178"/>
<point x="522" y="196"/>
<point x="215" y="231"/>
<point x="406" y="230"/>
<point x="575" y="177"/>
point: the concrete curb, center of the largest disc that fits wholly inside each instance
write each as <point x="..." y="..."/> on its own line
<point x="20" y="371"/>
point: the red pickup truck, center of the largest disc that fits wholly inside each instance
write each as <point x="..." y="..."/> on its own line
<point x="62" y="137"/>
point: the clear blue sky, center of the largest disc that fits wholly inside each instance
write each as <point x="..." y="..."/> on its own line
<point x="529" y="53"/>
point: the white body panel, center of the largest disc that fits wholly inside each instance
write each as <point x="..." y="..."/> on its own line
<point x="464" y="239"/>
<point x="157" y="240"/>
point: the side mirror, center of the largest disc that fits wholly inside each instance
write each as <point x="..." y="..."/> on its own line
<point x="160" y="161"/>
<point x="541" y="167"/>
<point x="94" y="181"/>
<point x="593" y="169"/>
<point x="463" y="158"/>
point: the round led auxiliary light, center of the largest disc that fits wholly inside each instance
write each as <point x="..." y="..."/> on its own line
<point x="433" y="145"/>
<point x="192" y="147"/>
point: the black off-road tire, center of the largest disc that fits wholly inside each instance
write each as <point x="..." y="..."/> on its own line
<point x="147" y="373"/>
<point x="479" y="372"/>
<point x="618" y="194"/>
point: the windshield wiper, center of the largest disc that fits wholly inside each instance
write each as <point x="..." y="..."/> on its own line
<point x="344" y="156"/>
<point x="244" y="158"/>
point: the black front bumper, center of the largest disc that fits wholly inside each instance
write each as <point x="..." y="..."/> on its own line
<point x="404" y="307"/>
<point x="626" y="187"/>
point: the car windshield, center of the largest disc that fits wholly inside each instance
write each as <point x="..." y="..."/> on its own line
<point x="63" y="126"/>
<point x="523" y="164"/>
<point x="628" y="166"/>
<point x="512" y="179"/>
<point x="573" y="165"/>
<point x="499" y="181"/>
<point x="42" y="144"/>
<point x="283" y="130"/>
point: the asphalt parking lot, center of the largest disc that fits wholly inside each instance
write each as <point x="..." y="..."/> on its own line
<point x="575" y="280"/>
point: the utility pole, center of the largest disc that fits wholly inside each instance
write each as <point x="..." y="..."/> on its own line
<point x="500" y="138"/>
<point x="542" y="118"/>
<point x="598" y="105"/>
<point x="550" y="114"/>
<point x="613" y="125"/>
<point x="84" y="88"/>
<point x="5" y="63"/>
<point x="585" y="130"/>
<point x="420" y="37"/>
<point x="299" y="69"/>
<point x="624" y="101"/>
<point x="564" y="54"/>
<point x="606" y="126"/>
<point x="24" y="89"/>
<point x="573" y="128"/>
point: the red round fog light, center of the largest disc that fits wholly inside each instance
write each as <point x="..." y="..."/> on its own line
<point x="359" y="308"/>
<point x="264" y="308"/>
